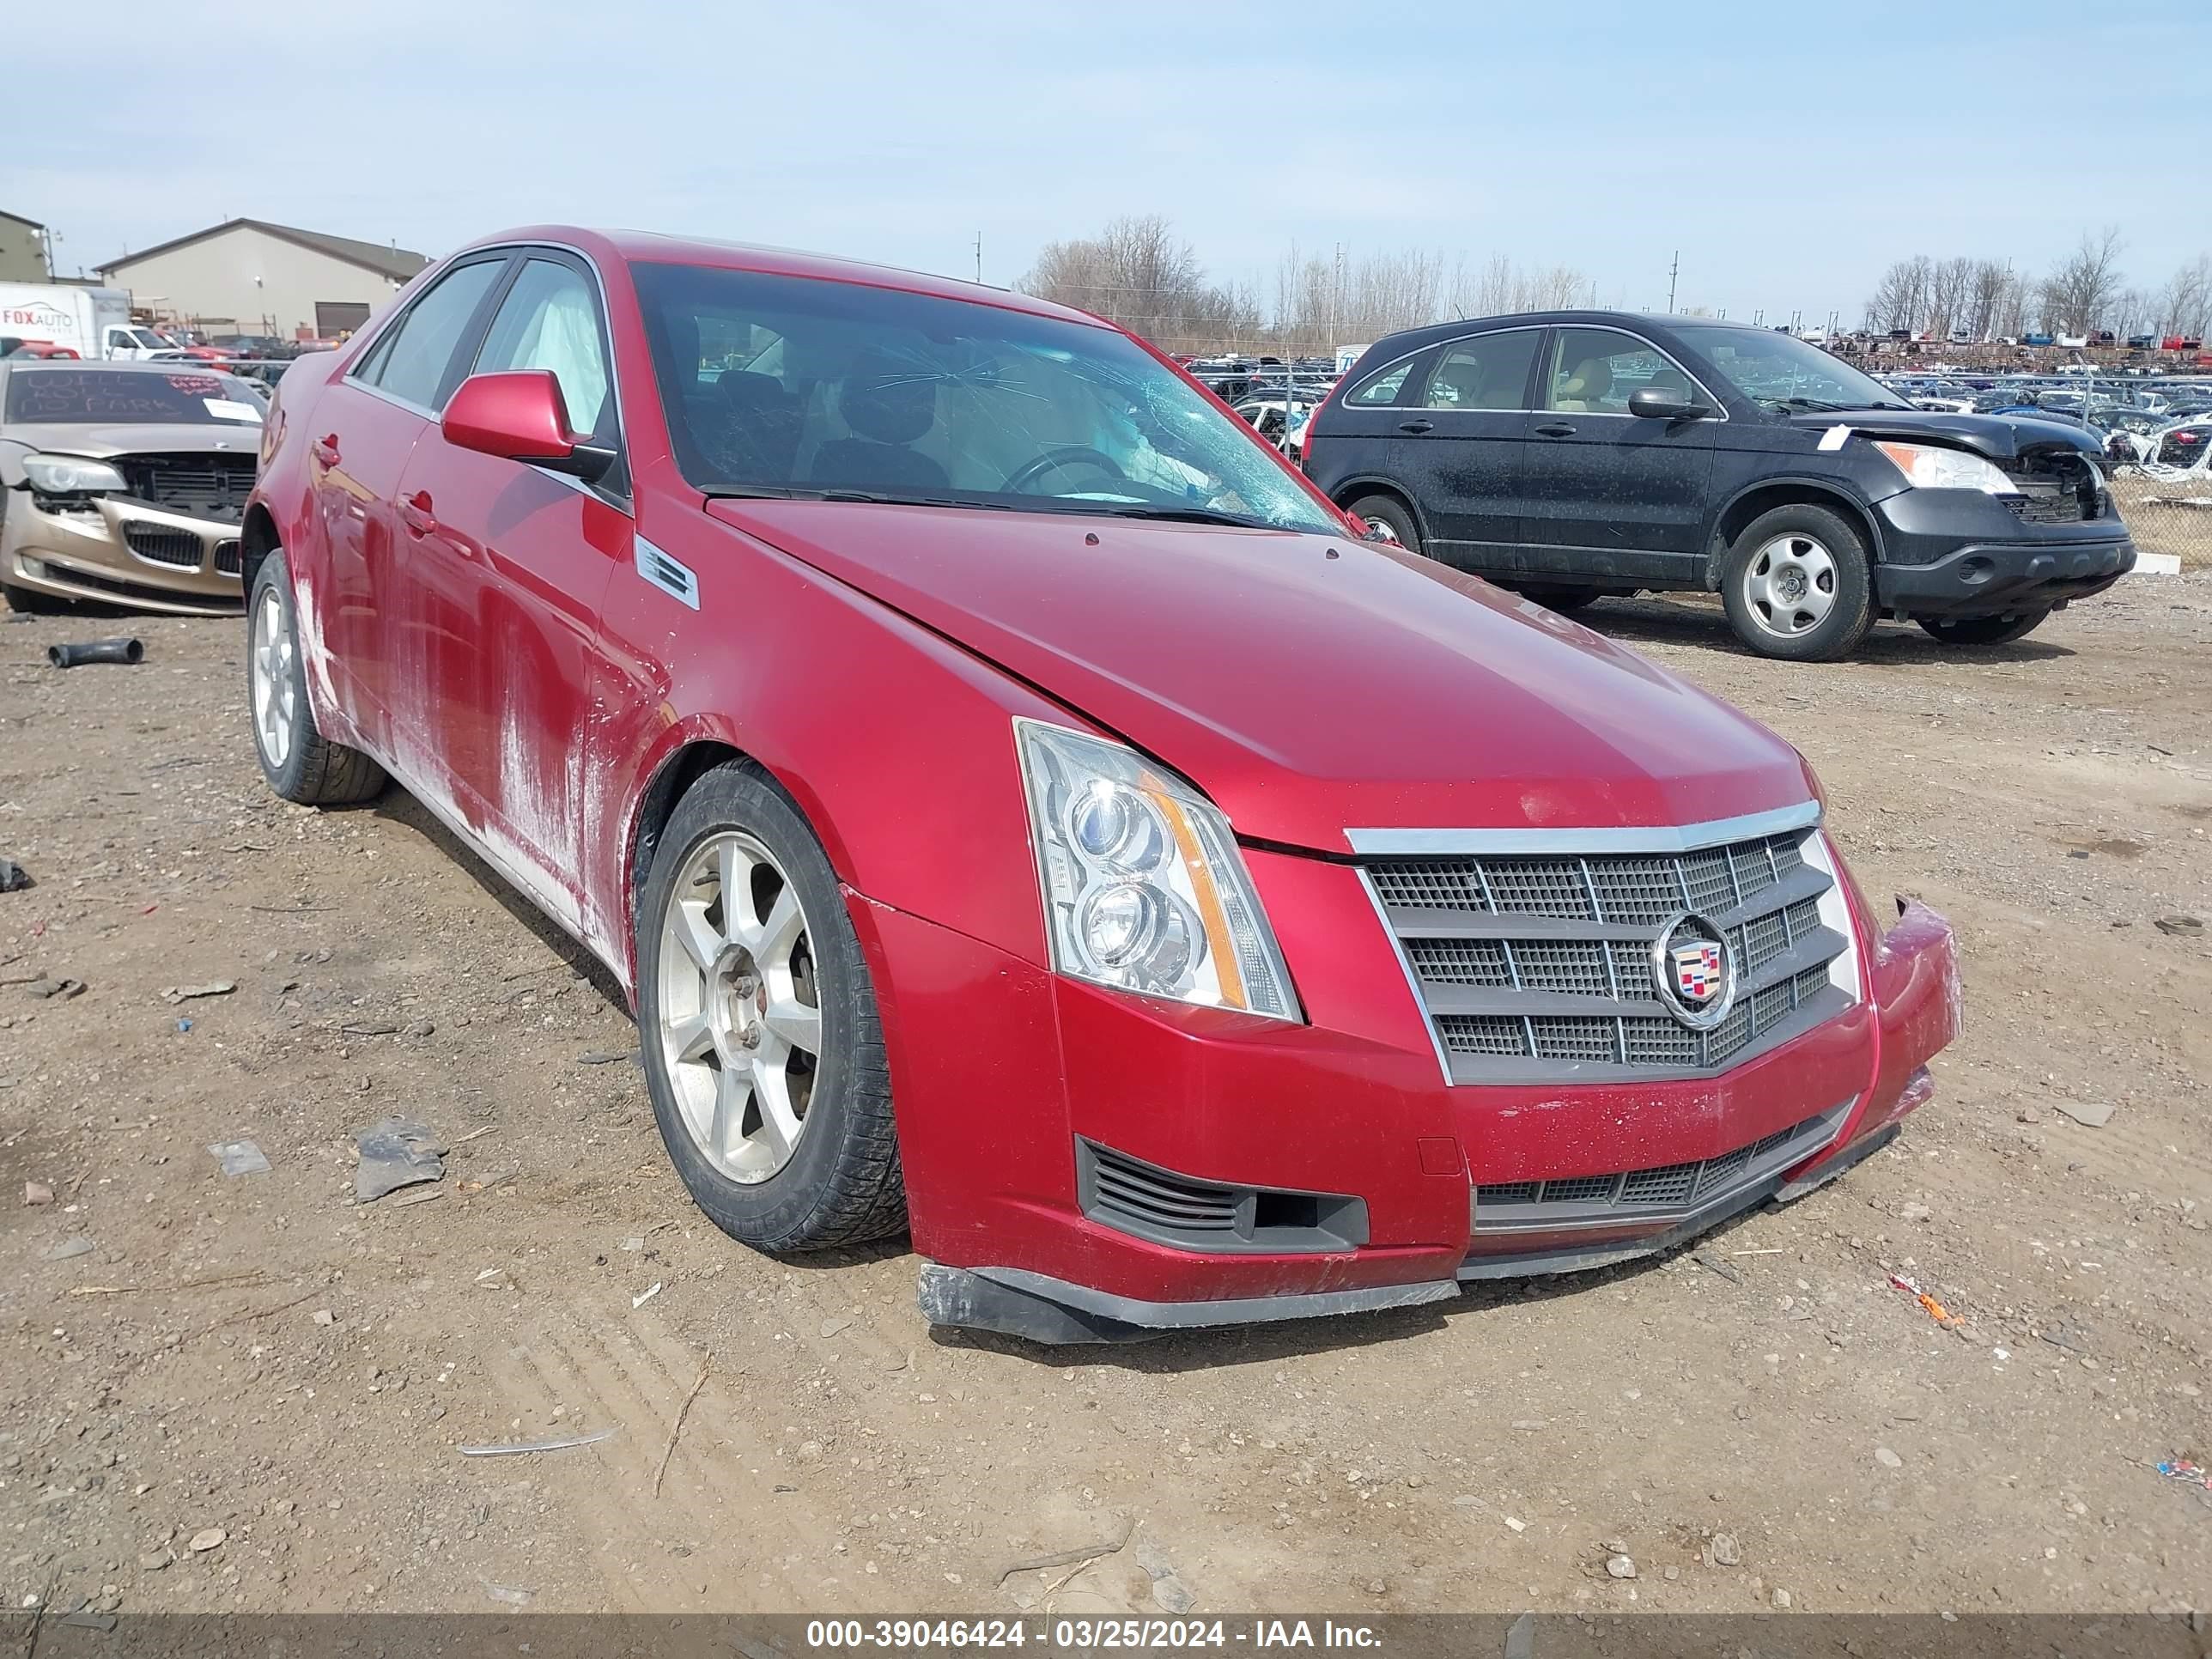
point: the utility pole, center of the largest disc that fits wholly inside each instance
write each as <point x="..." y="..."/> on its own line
<point x="1336" y="298"/>
<point x="979" y="256"/>
<point x="1672" y="272"/>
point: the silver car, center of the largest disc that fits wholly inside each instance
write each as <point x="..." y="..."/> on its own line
<point x="126" y="482"/>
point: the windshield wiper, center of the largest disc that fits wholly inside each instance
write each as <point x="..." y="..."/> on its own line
<point x="1172" y="515"/>
<point x="870" y="496"/>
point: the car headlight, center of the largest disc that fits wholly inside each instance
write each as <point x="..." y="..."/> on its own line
<point x="1143" y="888"/>
<point x="1931" y="466"/>
<point x="69" y="475"/>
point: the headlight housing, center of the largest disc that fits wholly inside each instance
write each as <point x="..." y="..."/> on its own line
<point x="1143" y="888"/>
<point x="1931" y="466"/>
<point x="69" y="475"/>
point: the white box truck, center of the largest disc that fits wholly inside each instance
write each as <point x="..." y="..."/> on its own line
<point x="93" y="322"/>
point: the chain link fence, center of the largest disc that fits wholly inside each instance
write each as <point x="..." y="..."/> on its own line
<point x="2168" y="514"/>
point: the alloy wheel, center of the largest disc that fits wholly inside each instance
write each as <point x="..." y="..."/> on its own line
<point x="740" y="1020"/>
<point x="275" y="693"/>
<point x="1789" y="584"/>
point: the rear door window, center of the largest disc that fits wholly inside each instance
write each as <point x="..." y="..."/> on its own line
<point x="1490" y="371"/>
<point x="1383" y="388"/>
<point x="412" y="360"/>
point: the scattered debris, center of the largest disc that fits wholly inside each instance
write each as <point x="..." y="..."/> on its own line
<point x="211" y="1539"/>
<point x="1521" y="1638"/>
<point x="494" y="1279"/>
<point x="522" y="1448"/>
<point x="835" y="1326"/>
<point x="62" y="988"/>
<point x="418" y="1028"/>
<point x="369" y="1028"/>
<point x="1069" y="1557"/>
<point x="645" y="1296"/>
<point x="420" y="1195"/>
<point x="1935" y="1310"/>
<point x="1518" y="1526"/>
<point x="75" y="1245"/>
<point x="1620" y="1566"/>
<point x="128" y="652"/>
<point x="1727" y="1552"/>
<point x="89" y="1618"/>
<point x="37" y="1192"/>
<point x="14" y="878"/>
<point x="176" y="994"/>
<point x="472" y="1134"/>
<point x="396" y="1152"/>
<point x="2071" y="1337"/>
<point x="511" y="1597"/>
<point x="2180" y="927"/>
<point x="184" y="1028"/>
<point x="2181" y="1468"/>
<point x="601" y="1057"/>
<point x="1888" y="1459"/>
<point x="1714" y="1265"/>
<point x="239" y="1157"/>
<point x="2089" y="1113"/>
<point x="675" y="1428"/>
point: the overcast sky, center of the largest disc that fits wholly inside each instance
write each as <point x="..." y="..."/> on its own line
<point x="1788" y="151"/>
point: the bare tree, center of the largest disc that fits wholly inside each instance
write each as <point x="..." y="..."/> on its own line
<point x="1503" y="287"/>
<point x="1950" y="297"/>
<point x="2083" y="286"/>
<point x="2185" y="305"/>
<point x="1139" y="273"/>
<point x="1901" y="300"/>
<point x="1990" y="286"/>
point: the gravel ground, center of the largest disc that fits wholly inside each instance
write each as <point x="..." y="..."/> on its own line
<point x="250" y="1391"/>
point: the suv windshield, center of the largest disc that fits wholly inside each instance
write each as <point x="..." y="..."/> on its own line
<point x="187" y="398"/>
<point x="1784" y="372"/>
<point x="789" y="385"/>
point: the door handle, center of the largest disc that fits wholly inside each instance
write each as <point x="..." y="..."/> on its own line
<point x="1555" y="429"/>
<point x="415" y="513"/>
<point x="1416" y="426"/>
<point x="326" y="450"/>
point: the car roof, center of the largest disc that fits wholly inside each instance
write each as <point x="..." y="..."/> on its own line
<point x="1392" y="346"/>
<point x="652" y="248"/>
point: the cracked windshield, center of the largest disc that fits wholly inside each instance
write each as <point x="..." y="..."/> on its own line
<point x="787" y="386"/>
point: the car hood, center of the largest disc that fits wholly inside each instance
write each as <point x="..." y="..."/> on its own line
<point x="1999" y="437"/>
<point x="238" y="437"/>
<point x="1309" y="684"/>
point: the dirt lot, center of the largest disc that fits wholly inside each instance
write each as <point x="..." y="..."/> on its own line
<point x="249" y="1391"/>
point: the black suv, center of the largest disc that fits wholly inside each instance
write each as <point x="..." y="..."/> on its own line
<point x="1574" y="454"/>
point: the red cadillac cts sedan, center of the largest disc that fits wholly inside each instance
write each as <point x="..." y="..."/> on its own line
<point x="1020" y="810"/>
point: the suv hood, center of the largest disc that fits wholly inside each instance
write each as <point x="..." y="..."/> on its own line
<point x="1998" y="438"/>
<point x="1309" y="684"/>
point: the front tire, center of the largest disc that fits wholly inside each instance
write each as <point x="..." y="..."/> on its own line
<point x="764" y="1054"/>
<point x="1982" y="630"/>
<point x="1393" y="515"/>
<point x="301" y="764"/>
<point x="1798" y="585"/>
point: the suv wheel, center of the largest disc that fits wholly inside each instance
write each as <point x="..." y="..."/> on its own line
<point x="1393" y="515"/>
<point x="763" y="1055"/>
<point x="1798" y="585"/>
<point x="1982" y="630"/>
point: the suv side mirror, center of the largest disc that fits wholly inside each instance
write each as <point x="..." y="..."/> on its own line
<point x="1653" y="405"/>
<point x="519" y="416"/>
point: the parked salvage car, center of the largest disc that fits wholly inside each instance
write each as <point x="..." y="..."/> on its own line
<point x="1575" y="454"/>
<point x="1017" y="806"/>
<point x="124" y="482"/>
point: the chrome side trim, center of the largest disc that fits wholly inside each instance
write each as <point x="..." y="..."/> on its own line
<point x="1413" y="979"/>
<point x="1626" y="838"/>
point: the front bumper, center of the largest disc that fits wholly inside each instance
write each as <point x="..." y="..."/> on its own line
<point x="1339" y="1170"/>
<point x="117" y="551"/>
<point x="1960" y="553"/>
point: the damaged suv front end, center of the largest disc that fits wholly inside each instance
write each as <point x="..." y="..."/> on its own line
<point x="125" y="484"/>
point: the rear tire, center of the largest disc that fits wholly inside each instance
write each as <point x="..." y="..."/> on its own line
<point x="1566" y="601"/>
<point x="784" y="1148"/>
<point x="301" y="764"/>
<point x="1798" y="585"/>
<point x="1982" y="630"/>
<point x="1393" y="515"/>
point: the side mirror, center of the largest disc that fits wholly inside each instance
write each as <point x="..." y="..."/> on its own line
<point x="519" y="416"/>
<point x="1653" y="405"/>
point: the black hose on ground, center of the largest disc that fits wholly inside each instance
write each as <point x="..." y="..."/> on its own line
<point x="75" y="656"/>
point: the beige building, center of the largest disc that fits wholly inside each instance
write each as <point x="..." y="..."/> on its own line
<point x="22" y="250"/>
<point x="249" y="276"/>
